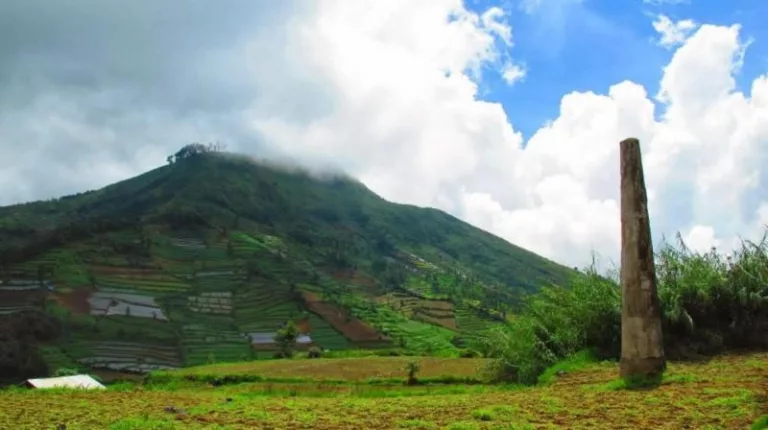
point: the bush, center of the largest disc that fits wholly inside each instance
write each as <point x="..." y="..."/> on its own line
<point x="314" y="352"/>
<point x="413" y="369"/>
<point x="710" y="303"/>
<point x="65" y="371"/>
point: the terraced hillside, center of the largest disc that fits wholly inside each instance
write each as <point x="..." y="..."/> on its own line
<point x="186" y="263"/>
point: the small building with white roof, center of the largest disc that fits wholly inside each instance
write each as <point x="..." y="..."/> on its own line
<point x="84" y="382"/>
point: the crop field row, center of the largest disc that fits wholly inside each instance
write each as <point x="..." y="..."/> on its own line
<point x="352" y="328"/>
<point x="342" y="369"/>
<point x="124" y="271"/>
<point x="355" y="278"/>
<point x="203" y="343"/>
<point x="437" y="312"/>
<point x="468" y="320"/>
<point x="21" y="285"/>
<point x="325" y="336"/>
<point x="211" y="303"/>
<point x="420" y="263"/>
<point x="155" y="288"/>
<point x="12" y="301"/>
<point x="213" y="285"/>
<point x="129" y="328"/>
<point x="402" y="301"/>
<point x="220" y="274"/>
<point x="204" y="333"/>
<point x="265" y="319"/>
<point x="125" y="356"/>
<point x="188" y="255"/>
<point x="445" y="321"/>
<point x="418" y="285"/>
<point x="420" y="336"/>
<point x="188" y="243"/>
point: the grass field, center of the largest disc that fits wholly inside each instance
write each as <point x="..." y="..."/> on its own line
<point x="729" y="392"/>
<point x="380" y="369"/>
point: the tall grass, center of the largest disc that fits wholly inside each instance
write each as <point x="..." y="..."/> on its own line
<point x="710" y="303"/>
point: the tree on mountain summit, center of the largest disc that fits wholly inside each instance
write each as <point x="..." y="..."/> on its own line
<point x="194" y="149"/>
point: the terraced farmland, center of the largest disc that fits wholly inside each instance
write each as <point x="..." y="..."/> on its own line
<point x="209" y="341"/>
<point x="130" y="328"/>
<point x="17" y="300"/>
<point x="263" y="307"/>
<point x="130" y="278"/>
<point x="467" y="320"/>
<point x="355" y="330"/>
<point x="214" y="280"/>
<point x="21" y="285"/>
<point x="325" y="336"/>
<point x="124" y="356"/>
<point x="212" y="303"/>
<point x="438" y="312"/>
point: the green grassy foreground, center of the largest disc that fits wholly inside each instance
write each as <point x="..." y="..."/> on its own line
<point x="728" y="392"/>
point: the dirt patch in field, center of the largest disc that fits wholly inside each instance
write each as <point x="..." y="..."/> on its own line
<point x="10" y="297"/>
<point x="75" y="301"/>
<point x="311" y="297"/>
<point x="352" y="328"/>
<point x="438" y="305"/>
<point x="354" y="277"/>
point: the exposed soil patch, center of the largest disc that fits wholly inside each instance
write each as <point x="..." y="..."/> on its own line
<point x="352" y="328"/>
<point x="75" y="301"/>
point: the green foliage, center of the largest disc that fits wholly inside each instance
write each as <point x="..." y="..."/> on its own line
<point x="286" y="339"/>
<point x="20" y="334"/>
<point x="760" y="424"/>
<point x="575" y="362"/>
<point x="412" y="367"/>
<point x="710" y="303"/>
<point x="65" y="371"/>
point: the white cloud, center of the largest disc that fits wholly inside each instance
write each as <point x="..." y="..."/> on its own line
<point x="388" y="91"/>
<point x="420" y="137"/>
<point x="493" y="21"/>
<point x="673" y="33"/>
<point x="701" y="238"/>
<point x="513" y="73"/>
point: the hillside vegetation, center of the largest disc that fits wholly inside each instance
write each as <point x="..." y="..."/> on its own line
<point x="200" y="261"/>
<point x="712" y="303"/>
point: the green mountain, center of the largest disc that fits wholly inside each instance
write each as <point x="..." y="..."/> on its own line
<point x="174" y="267"/>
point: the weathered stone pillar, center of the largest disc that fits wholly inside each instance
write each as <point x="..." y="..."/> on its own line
<point x="642" y="350"/>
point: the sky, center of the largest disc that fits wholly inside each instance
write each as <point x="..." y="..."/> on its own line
<point x="506" y="114"/>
